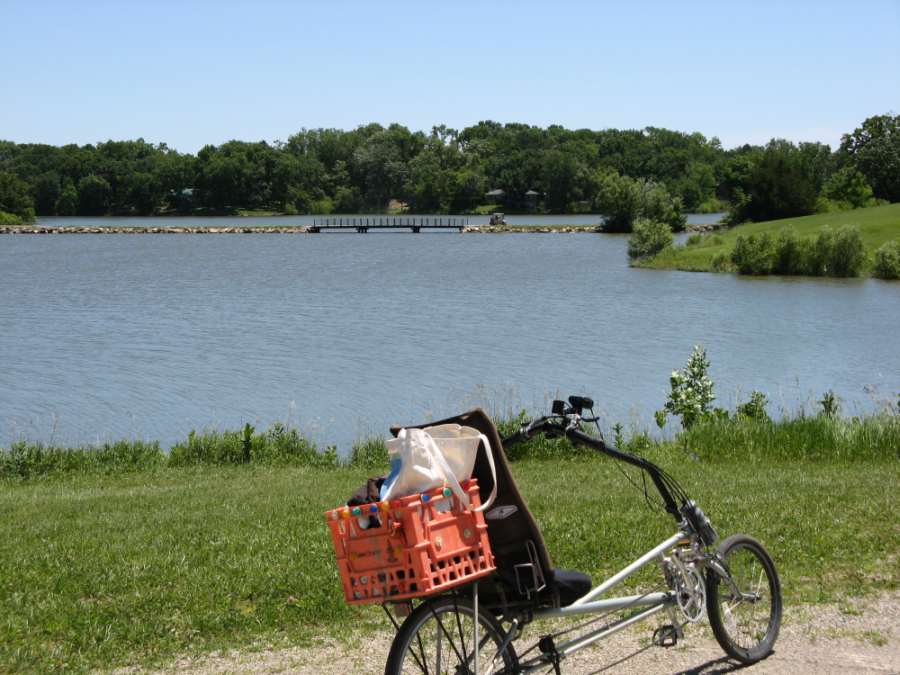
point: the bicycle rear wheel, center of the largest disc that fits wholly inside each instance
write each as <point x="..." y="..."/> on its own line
<point x="438" y="639"/>
<point x="746" y="622"/>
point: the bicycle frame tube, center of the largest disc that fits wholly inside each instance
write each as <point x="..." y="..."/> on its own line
<point x="648" y="603"/>
<point x="617" y="578"/>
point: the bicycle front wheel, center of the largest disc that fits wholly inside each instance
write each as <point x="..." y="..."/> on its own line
<point x="438" y="638"/>
<point x="745" y="617"/>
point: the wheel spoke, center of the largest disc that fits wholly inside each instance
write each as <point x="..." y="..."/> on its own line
<point x="462" y="636"/>
<point x="437" y="639"/>
<point x="423" y="664"/>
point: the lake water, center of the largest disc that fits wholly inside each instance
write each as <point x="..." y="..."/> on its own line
<point x="276" y="221"/>
<point x="106" y="336"/>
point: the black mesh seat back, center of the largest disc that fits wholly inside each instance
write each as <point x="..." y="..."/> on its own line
<point x="509" y="536"/>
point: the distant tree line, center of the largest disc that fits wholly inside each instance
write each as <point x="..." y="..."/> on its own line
<point x="651" y="173"/>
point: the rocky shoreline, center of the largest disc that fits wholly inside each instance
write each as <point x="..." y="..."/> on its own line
<point x="39" y="229"/>
<point x="302" y="229"/>
<point x="288" y="229"/>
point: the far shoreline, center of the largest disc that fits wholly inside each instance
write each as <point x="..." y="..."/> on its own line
<point x="288" y="229"/>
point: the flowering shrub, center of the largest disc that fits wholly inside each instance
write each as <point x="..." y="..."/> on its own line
<point x="691" y="392"/>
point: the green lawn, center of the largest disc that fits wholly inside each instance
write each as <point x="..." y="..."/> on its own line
<point x="876" y="226"/>
<point x="105" y="570"/>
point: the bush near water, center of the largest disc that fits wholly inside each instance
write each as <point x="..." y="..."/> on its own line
<point x="842" y="244"/>
<point x="648" y="238"/>
<point x="830" y="254"/>
<point x="887" y="260"/>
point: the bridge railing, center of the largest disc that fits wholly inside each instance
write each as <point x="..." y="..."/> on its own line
<point x="391" y="221"/>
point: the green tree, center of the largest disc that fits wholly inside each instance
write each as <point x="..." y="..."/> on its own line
<point x="783" y="181"/>
<point x="381" y="165"/>
<point x="94" y="193"/>
<point x="348" y="200"/>
<point x="15" y="197"/>
<point x="465" y="190"/>
<point x="622" y="200"/>
<point x="874" y="149"/>
<point x="848" y="188"/>
<point x="618" y="198"/>
<point x="144" y="192"/>
<point x="46" y="193"/>
<point x="697" y="185"/>
<point x="67" y="204"/>
<point x="428" y="184"/>
<point x="560" y="173"/>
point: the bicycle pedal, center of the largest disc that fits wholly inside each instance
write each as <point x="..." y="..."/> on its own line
<point x="548" y="649"/>
<point x="665" y="636"/>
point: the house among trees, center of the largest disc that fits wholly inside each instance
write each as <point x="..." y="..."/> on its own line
<point x="496" y="196"/>
<point x="531" y="199"/>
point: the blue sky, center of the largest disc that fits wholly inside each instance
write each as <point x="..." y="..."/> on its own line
<point x="191" y="73"/>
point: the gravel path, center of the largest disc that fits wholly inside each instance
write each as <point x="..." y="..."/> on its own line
<point x="860" y="636"/>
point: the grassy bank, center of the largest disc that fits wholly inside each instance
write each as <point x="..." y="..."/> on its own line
<point x="104" y="567"/>
<point x="877" y="225"/>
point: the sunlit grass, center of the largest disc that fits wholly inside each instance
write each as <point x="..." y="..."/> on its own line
<point x="122" y="553"/>
<point x="876" y="225"/>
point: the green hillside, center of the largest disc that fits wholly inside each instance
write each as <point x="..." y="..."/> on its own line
<point x="877" y="225"/>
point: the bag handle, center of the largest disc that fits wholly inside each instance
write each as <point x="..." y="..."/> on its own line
<point x="441" y="461"/>
<point x="451" y="477"/>
<point x="490" y="456"/>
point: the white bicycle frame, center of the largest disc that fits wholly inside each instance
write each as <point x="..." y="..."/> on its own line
<point x="588" y="604"/>
<point x="648" y="603"/>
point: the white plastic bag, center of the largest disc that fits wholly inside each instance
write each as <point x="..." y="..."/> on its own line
<point x="443" y="455"/>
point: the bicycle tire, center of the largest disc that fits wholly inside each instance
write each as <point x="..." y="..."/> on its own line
<point x="410" y="647"/>
<point x="741" y="636"/>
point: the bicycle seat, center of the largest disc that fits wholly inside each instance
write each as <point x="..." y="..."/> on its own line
<point x="515" y="537"/>
<point x="570" y="585"/>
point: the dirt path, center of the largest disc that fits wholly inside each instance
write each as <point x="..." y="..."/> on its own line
<point x="860" y="636"/>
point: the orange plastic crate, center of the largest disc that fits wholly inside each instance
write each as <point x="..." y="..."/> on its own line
<point x="424" y="544"/>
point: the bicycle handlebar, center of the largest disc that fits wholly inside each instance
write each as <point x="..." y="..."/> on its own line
<point x="568" y="425"/>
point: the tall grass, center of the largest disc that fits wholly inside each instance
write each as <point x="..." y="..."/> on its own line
<point x="801" y="438"/>
<point x="370" y="453"/>
<point x="26" y="460"/>
<point x="875" y="436"/>
<point x="277" y="445"/>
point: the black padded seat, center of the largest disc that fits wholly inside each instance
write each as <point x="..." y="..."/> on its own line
<point x="570" y="585"/>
